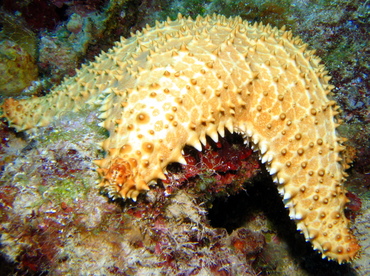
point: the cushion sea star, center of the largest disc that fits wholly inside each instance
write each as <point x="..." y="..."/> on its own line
<point x="175" y="83"/>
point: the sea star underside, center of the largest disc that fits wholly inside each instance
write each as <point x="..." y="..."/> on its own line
<point x="173" y="84"/>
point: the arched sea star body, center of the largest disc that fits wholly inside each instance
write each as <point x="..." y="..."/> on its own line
<point x="174" y="84"/>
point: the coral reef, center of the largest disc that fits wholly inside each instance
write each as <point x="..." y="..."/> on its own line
<point x="61" y="50"/>
<point x="58" y="235"/>
<point x="173" y="84"/>
<point x="18" y="68"/>
<point x="67" y="31"/>
<point x="48" y="14"/>
<point x="14" y="28"/>
<point x="59" y="220"/>
<point x="54" y="221"/>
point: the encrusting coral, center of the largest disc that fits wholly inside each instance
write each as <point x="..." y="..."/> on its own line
<point x="18" y="68"/>
<point x="176" y="83"/>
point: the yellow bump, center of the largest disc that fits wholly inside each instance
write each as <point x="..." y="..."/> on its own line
<point x="145" y="163"/>
<point x="209" y="64"/>
<point x="125" y="149"/>
<point x="142" y="118"/>
<point x="321" y="172"/>
<point x="326" y="246"/>
<point x="166" y="73"/>
<point x="170" y="117"/>
<point x="154" y="85"/>
<point x="192" y="126"/>
<point x="148" y="147"/>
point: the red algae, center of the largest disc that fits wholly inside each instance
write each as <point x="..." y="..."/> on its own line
<point x="353" y="206"/>
<point x="59" y="220"/>
<point x="247" y="242"/>
<point x="221" y="168"/>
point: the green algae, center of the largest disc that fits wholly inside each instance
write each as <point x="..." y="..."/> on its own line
<point x="60" y="190"/>
<point x="66" y="190"/>
<point x="14" y="28"/>
<point x="343" y="52"/>
<point x="188" y="8"/>
<point x="205" y="180"/>
<point x="276" y="14"/>
<point x="78" y="128"/>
